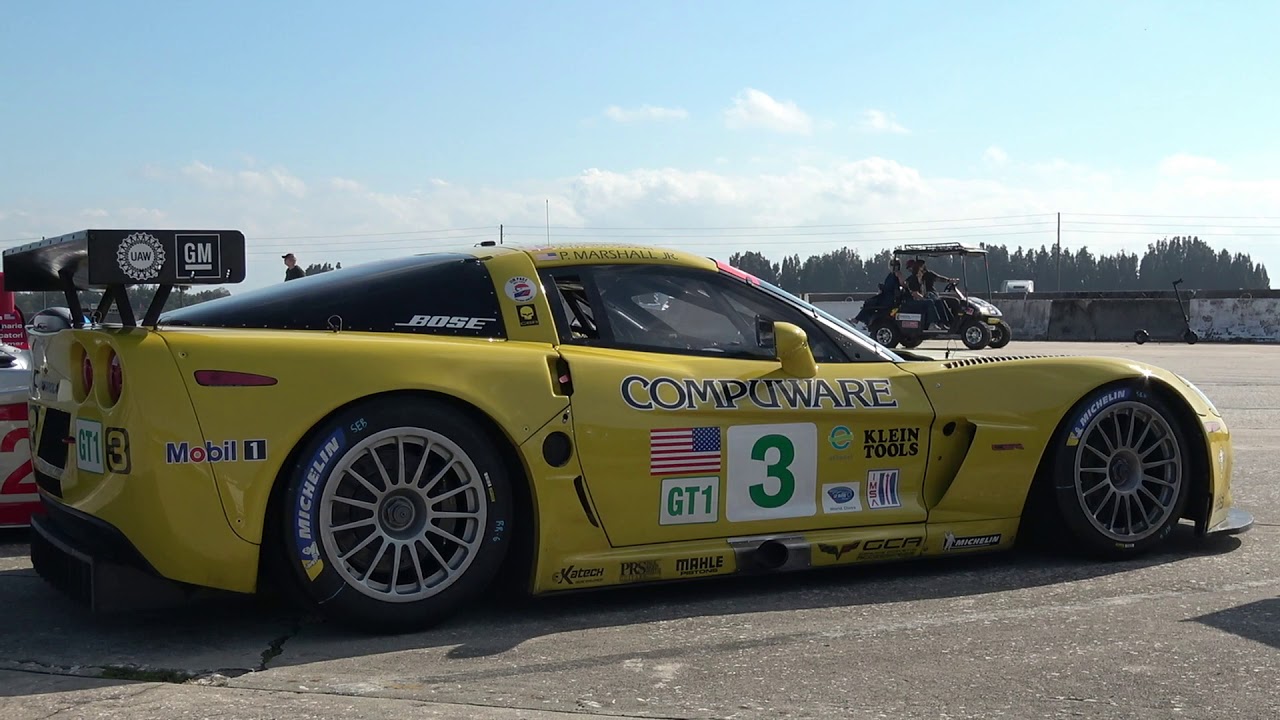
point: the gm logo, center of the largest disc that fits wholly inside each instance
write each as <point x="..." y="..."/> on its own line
<point x="840" y="437"/>
<point x="199" y="255"/>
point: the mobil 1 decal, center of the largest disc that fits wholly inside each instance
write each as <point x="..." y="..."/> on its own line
<point x="667" y="393"/>
<point x="773" y="472"/>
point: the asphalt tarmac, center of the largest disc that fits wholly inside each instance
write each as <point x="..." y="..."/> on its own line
<point x="1193" y="632"/>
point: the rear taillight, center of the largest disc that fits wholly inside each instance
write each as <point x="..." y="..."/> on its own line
<point x="115" y="378"/>
<point x="86" y="374"/>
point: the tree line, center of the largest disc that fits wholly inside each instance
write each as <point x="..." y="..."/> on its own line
<point x="1190" y="258"/>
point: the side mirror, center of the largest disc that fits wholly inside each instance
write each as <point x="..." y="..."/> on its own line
<point x="764" y="333"/>
<point x="792" y="350"/>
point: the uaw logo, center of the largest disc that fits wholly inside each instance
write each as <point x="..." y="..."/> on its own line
<point x="140" y="256"/>
<point x="570" y="575"/>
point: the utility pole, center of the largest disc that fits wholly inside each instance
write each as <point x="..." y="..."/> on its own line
<point x="499" y="234"/>
<point x="1059" y="252"/>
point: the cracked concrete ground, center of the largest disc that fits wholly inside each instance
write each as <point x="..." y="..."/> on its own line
<point x="1191" y="633"/>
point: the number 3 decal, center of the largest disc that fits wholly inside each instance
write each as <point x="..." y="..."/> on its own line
<point x="772" y="471"/>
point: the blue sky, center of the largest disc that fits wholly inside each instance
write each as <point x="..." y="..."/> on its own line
<point x="351" y="121"/>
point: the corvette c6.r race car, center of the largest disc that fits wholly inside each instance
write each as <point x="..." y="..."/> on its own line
<point x="394" y="439"/>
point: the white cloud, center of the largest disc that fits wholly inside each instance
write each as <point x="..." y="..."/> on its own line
<point x="754" y="109"/>
<point x="644" y="112"/>
<point x="995" y="155"/>
<point x="879" y="121"/>
<point x="903" y="202"/>
<point x="1184" y="164"/>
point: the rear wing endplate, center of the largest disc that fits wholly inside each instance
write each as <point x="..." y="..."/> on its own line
<point x="112" y="260"/>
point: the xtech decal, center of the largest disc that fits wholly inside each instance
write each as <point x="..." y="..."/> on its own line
<point x="304" y="526"/>
<point x="1094" y="408"/>
<point x="963" y="543"/>
<point x="893" y="442"/>
<point x="665" y="393"/>
<point x="572" y="575"/>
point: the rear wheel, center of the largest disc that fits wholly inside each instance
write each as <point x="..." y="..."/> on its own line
<point x="975" y="335"/>
<point x="399" y="511"/>
<point x="886" y="333"/>
<point x="1001" y="334"/>
<point x="1120" y="471"/>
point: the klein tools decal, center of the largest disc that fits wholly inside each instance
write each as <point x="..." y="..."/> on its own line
<point x="891" y="442"/>
<point x="666" y="393"/>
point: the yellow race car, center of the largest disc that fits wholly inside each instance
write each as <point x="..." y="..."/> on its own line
<point x="393" y="440"/>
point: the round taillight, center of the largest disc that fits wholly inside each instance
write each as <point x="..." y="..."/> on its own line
<point x="115" y="377"/>
<point x="86" y="374"/>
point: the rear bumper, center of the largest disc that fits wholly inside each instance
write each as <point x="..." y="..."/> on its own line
<point x="94" y="564"/>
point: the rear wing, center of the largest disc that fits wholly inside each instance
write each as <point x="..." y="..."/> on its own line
<point x="112" y="260"/>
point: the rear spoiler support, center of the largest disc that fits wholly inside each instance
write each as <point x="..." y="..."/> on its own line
<point x="113" y="260"/>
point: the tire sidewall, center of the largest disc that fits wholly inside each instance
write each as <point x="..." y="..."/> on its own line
<point x="983" y="331"/>
<point x="1064" y="481"/>
<point x="314" y="471"/>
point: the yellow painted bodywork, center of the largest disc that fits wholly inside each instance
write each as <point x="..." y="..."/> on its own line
<point x="983" y="430"/>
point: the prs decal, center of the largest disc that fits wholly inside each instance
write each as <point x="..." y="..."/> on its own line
<point x="664" y="393"/>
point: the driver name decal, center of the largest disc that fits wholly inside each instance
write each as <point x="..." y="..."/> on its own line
<point x="665" y="393"/>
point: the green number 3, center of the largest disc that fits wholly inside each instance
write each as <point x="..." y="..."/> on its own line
<point x="778" y="470"/>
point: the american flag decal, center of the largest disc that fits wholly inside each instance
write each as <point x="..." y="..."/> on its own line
<point x="678" y="451"/>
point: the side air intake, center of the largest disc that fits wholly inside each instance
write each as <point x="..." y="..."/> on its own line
<point x="966" y="362"/>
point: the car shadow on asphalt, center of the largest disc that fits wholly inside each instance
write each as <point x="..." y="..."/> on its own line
<point x="502" y="622"/>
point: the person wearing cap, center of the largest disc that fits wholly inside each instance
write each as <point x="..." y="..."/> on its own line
<point x="293" y="272"/>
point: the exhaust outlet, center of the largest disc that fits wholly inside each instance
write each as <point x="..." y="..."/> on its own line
<point x="771" y="555"/>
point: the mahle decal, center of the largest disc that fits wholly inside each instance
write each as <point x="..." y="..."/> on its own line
<point x="665" y="393"/>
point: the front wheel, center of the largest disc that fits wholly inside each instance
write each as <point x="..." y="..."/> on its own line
<point x="975" y="335"/>
<point x="1121" y="471"/>
<point x="1001" y="334"/>
<point x="398" y="512"/>
<point x="886" y="333"/>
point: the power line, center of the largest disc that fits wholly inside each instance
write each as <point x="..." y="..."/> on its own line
<point x="780" y="227"/>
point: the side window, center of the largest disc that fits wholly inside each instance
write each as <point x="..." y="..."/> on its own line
<point x="663" y="309"/>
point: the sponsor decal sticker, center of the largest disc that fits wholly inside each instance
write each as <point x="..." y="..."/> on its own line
<point x="528" y="315"/>
<point x="707" y="565"/>
<point x="891" y="442"/>
<point x="199" y="255"/>
<point x="88" y="445"/>
<point x="573" y="575"/>
<point x="837" y="551"/>
<point x="666" y="393"/>
<point x="683" y="451"/>
<point x="140" y="256"/>
<point x="964" y="543"/>
<point x="521" y="289"/>
<point x="456" y="322"/>
<point x="304" y="522"/>
<point x="891" y="547"/>
<point x="882" y="489"/>
<point x="773" y="472"/>
<point x="690" y="501"/>
<point x="1094" y="408"/>
<point x="182" y="453"/>
<point x="619" y="254"/>
<point x="840" y="437"/>
<point x="639" y="570"/>
<point x="841" y="497"/>
<point x="119" y="456"/>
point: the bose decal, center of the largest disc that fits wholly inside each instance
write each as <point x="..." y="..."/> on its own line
<point x="447" y="321"/>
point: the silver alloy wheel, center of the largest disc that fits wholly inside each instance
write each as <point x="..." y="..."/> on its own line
<point x="1128" y="471"/>
<point x="884" y="335"/>
<point x="403" y="515"/>
<point x="973" y="334"/>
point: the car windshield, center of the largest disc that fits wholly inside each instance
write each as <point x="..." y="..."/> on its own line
<point x="835" y="323"/>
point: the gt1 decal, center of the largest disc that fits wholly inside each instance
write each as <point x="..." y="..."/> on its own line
<point x="773" y="471"/>
<point x="528" y="315"/>
<point x="841" y="497"/>
<point x="88" y="445"/>
<point x="446" y="321"/>
<point x="521" y="289"/>
<point x="181" y="453"/>
<point x="688" y="501"/>
<point x="1094" y="408"/>
<point x="709" y="565"/>
<point x="894" y="442"/>
<point x="963" y="543"/>
<point x="882" y="489"/>
<point x="665" y="393"/>
<point x="303" y="531"/>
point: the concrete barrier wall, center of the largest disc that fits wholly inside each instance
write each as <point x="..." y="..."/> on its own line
<point x="1079" y="317"/>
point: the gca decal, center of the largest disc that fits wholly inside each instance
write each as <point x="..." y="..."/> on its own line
<point x="446" y="321"/>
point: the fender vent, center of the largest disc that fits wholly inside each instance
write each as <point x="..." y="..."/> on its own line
<point x="966" y="362"/>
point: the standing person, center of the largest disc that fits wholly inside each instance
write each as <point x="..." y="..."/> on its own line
<point x="293" y="272"/>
